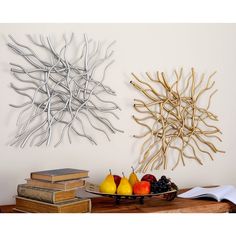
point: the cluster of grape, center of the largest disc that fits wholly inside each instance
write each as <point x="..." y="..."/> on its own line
<point x="162" y="185"/>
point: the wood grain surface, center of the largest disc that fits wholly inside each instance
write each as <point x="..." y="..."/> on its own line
<point x="154" y="205"/>
<point x="157" y="205"/>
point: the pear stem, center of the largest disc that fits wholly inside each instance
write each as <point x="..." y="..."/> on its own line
<point x="110" y="171"/>
<point x="123" y="174"/>
<point x="132" y="168"/>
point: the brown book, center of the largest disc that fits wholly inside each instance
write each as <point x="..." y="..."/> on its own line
<point x="76" y="205"/>
<point x="60" y="185"/>
<point x="59" y="174"/>
<point x="45" y="195"/>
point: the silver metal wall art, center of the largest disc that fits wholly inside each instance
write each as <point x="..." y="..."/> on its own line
<point x="64" y="96"/>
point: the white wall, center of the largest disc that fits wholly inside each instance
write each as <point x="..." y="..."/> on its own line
<point x="139" y="48"/>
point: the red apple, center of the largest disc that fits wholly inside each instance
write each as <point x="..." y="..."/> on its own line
<point x="142" y="188"/>
<point x="150" y="178"/>
<point x="117" y="179"/>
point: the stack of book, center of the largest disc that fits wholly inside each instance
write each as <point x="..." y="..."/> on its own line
<point x="53" y="191"/>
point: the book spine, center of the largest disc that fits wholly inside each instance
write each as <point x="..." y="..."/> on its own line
<point x="56" y="186"/>
<point x="46" y="185"/>
<point x="79" y="184"/>
<point x="35" y="194"/>
<point x="33" y="206"/>
<point x="76" y="206"/>
<point x="83" y="206"/>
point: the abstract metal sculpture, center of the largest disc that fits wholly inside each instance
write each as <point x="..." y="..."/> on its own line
<point x="174" y="120"/>
<point x="61" y="91"/>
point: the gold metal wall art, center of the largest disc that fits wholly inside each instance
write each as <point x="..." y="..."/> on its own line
<point x="176" y="125"/>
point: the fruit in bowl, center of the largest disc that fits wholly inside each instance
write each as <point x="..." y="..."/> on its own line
<point x="133" y="179"/>
<point x="162" y="185"/>
<point x="150" y="178"/>
<point x="142" y="188"/>
<point x="117" y="179"/>
<point x="149" y="184"/>
<point x="124" y="187"/>
<point x="108" y="185"/>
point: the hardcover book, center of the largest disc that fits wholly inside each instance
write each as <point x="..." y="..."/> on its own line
<point x="46" y="195"/>
<point x="59" y="174"/>
<point x="76" y="205"/>
<point x="60" y="185"/>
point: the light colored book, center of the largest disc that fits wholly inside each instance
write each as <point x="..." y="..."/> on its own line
<point x="45" y="195"/>
<point x="61" y="185"/>
<point x="59" y="174"/>
<point x="77" y="205"/>
<point x="223" y="192"/>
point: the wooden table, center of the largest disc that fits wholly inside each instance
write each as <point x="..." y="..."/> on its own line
<point x="157" y="205"/>
<point x="160" y="205"/>
<point x="154" y="205"/>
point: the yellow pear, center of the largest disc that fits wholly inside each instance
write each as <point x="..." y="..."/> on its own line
<point x="124" y="187"/>
<point x="108" y="185"/>
<point x="133" y="179"/>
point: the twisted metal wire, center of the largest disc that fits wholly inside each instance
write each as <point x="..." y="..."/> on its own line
<point x="177" y="119"/>
<point x="61" y="93"/>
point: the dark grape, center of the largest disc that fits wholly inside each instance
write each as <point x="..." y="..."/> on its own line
<point x="160" y="186"/>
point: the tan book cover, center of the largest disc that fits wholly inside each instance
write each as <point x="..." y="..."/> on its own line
<point x="76" y="205"/>
<point x="59" y="174"/>
<point x="61" y="185"/>
<point x="46" y="195"/>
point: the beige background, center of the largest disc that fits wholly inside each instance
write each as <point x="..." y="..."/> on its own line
<point x="139" y="48"/>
